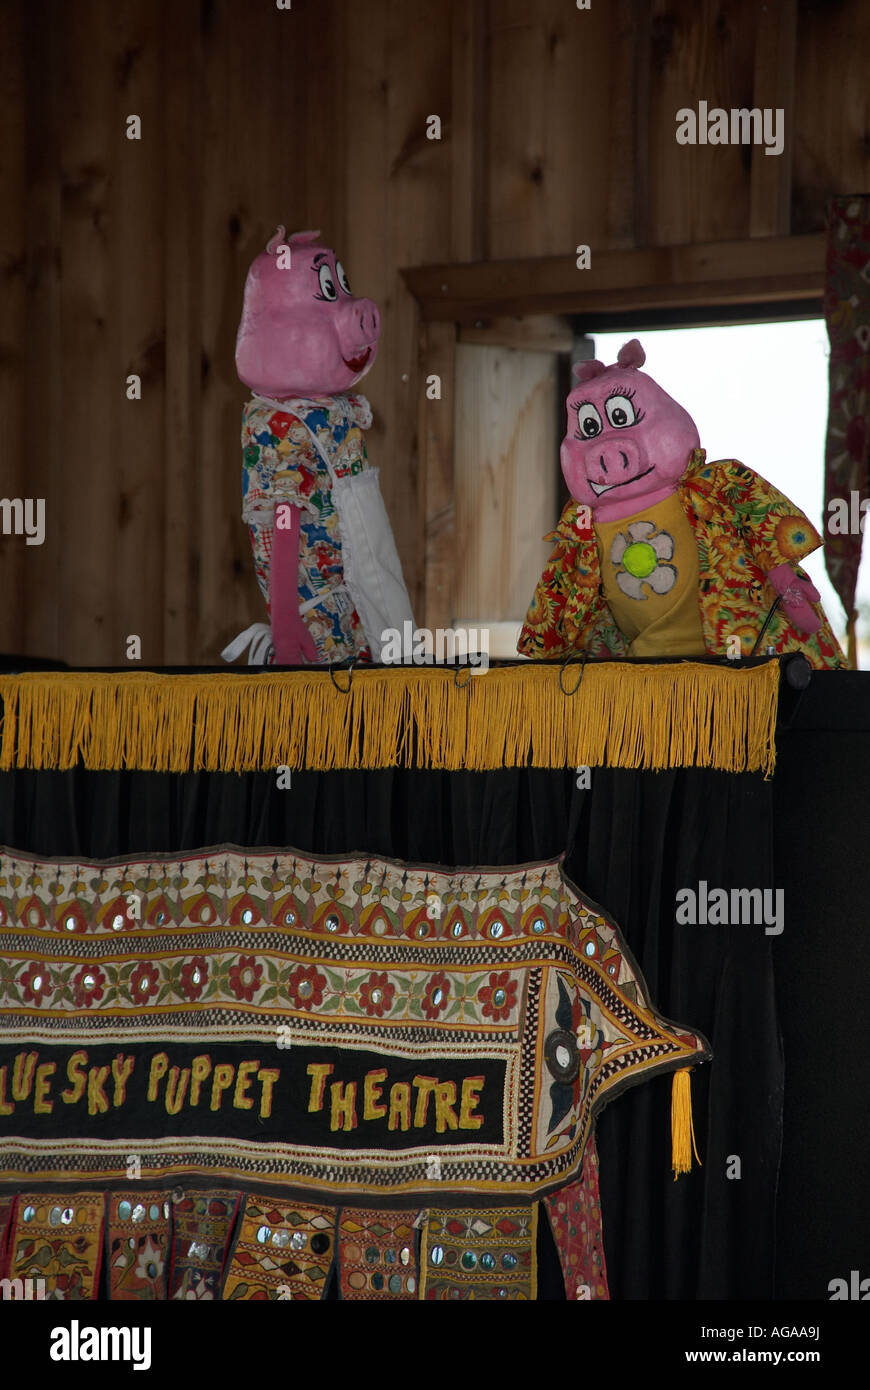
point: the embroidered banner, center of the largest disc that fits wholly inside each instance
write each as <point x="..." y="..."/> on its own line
<point x="56" y="1241"/>
<point x="480" y="1254"/>
<point x="138" y="1245"/>
<point x="575" y="1220"/>
<point x="377" y="1256"/>
<point x="202" y="1224"/>
<point x="219" y="1244"/>
<point x="283" y="1250"/>
<point x="352" y="1029"/>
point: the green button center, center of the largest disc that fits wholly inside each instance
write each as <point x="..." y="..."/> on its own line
<point x="640" y="559"/>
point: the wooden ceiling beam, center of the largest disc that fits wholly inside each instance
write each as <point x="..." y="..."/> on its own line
<point x="757" y="269"/>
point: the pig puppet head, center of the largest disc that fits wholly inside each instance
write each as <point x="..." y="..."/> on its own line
<point x="303" y="333"/>
<point x="628" y="442"/>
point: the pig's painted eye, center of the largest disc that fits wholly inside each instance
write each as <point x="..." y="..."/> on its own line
<point x="327" y="283"/>
<point x="342" y="278"/>
<point x="588" y="420"/>
<point x="620" y="411"/>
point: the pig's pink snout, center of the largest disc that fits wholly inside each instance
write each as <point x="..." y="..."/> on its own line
<point x="369" y="320"/>
<point x="360" y="323"/>
<point x="358" y="330"/>
<point x="613" y="464"/>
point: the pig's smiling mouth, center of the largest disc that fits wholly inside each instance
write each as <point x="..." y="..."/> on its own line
<point x="356" y="364"/>
<point x="599" y="488"/>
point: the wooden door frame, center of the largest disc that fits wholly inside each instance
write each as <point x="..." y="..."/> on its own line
<point x="480" y="300"/>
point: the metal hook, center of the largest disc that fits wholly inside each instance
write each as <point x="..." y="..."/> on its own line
<point x="338" y="666"/>
<point x="766" y="624"/>
<point x="460" y="685"/>
<point x="567" y="662"/>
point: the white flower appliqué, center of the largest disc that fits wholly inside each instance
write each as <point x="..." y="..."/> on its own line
<point x="637" y="558"/>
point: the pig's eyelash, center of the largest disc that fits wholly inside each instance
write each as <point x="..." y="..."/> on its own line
<point x="318" y="262"/>
<point x="628" y="394"/>
<point x="577" y="407"/>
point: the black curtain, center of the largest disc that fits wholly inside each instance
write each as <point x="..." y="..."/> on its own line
<point x="636" y="840"/>
<point x="633" y="839"/>
<point x="821" y="805"/>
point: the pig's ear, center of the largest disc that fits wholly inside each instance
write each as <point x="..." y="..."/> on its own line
<point x="276" y="240"/>
<point x="303" y="238"/>
<point x="631" y="354"/>
<point x="585" y="371"/>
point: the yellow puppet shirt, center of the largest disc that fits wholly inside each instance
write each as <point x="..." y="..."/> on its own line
<point x="649" y="572"/>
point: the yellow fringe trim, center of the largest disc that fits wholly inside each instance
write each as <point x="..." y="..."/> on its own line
<point x="682" y="1125"/>
<point x="682" y="715"/>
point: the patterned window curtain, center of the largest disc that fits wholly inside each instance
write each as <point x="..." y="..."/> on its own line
<point x="847" y="314"/>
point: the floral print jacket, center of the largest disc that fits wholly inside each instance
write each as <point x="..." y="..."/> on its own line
<point x="744" y="527"/>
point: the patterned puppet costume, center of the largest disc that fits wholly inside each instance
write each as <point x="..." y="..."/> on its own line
<point x="282" y="464"/>
<point x="743" y="526"/>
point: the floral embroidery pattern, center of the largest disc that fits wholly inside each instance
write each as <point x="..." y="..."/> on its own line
<point x="245" y="977"/>
<point x="35" y="983"/>
<point x="194" y="977"/>
<point x="88" y="985"/>
<point x="499" y="997"/>
<point x="144" y="982"/>
<point x="305" y="986"/>
<point x="436" y="995"/>
<point x="376" y="995"/>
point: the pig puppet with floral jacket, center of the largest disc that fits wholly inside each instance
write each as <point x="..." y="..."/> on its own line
<point x="659" y="553"/>
<point x="324" y="552"/>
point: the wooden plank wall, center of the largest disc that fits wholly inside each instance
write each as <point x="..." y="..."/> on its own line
<point x="120" y="256"/>
<point x="506" y="479"/>
<point x="13" y="338"/>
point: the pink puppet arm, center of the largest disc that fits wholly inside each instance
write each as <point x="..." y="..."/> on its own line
<point x="291" y="639"/>
<point x="797" y="595"/>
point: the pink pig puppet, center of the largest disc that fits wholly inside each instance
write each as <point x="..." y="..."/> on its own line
<point x="324" y="552"/>
<point x="660" y="553"/>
